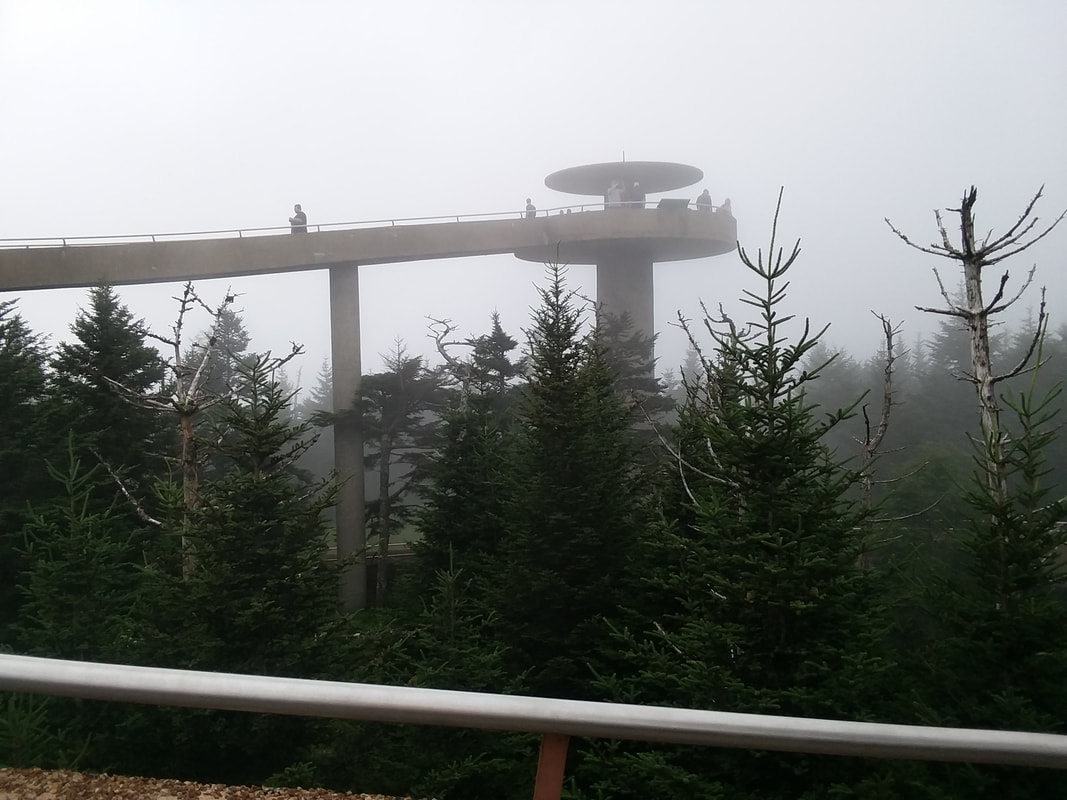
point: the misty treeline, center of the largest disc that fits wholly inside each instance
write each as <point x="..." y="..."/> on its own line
<point x="781" y="530"/>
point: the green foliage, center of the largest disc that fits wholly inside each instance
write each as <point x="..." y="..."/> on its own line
<point x="95" y="377"/>
<point x="397" y="415"/>
<point x="259" y="540"/>
<point x="447" y="644"/>
<point x="25" y="442"/>
<point x="260" y="597"/>
<point x="995" y="657"/>
<point x="29" y="737"/>
<point x="574" y="504"/>
<point x="493" y="371"/>
<point x="754" y="601"/>
<point x="81" y="586"/>
<point x="463" y="516"/>
<point x="82" y="594"/>
<point x="558" y="557"/>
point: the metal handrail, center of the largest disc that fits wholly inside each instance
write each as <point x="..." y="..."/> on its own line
<point x="409" y="705"/>
<point x="240" y="233"/>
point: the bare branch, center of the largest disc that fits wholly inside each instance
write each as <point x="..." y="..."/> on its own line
<point x="1016" y="232"/>
<point x="905" y="476"/>
<point x="946" y="312"/>
<point x="944" y="292"/>
<point x="137" y="507"/>
<point x="999" y="294"/>
<point x="883" y="520"/>
<point x="1039" y="333"/>
<point x="992" y="308"/>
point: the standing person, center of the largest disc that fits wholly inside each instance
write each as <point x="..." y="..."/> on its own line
<point x="637" y="196"/>
<point x="615" y="195"/>
<point x="704" y="201"/>
<point x="298" y="223"/>
<point x="531" y="209"/>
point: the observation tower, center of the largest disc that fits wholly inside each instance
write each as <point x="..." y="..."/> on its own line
<point x="622" y="232"/>
<point x="674" y="228"/>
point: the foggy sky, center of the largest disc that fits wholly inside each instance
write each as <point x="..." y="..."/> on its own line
<point x="133" y="117"/>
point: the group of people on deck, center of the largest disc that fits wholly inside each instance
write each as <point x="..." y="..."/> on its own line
<point x="621" y="194"/>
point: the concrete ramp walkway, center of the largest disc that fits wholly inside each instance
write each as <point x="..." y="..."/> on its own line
<point x="660" y="234"/>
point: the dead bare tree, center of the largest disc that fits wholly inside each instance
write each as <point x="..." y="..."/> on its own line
<point x="974" y="256"/>
<point x="184" y="395"/>
<point x="872" y="438"/>
<point x="460" y="370"/>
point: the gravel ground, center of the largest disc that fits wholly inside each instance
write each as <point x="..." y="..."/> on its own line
<point x="39" y="784"/>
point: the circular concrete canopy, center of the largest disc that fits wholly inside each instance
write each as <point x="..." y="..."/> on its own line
<point x="594" y="179"/>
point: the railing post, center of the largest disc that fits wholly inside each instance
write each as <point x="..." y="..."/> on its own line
<point x="550" y="765"/>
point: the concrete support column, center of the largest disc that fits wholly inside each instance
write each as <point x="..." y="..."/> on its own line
<point x="624" y="284"/>
<point x="347" y="435"/>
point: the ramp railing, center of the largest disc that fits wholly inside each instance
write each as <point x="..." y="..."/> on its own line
<point x="556" y="720"/>
<point x="242" y="233"/>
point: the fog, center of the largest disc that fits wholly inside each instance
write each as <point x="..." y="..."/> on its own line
<point x="130" y="117"/>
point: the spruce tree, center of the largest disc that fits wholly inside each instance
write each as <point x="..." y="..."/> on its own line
<point x="995" y="658"/>
<point x="493" y="370"/>
<point x="261" y="597"/>
<point x="462" y="519"/>
<point x="397" y="409"/>
<point x="319" y="459"/>
<point x="260" y="537"/>
<point x="109" y="350"/>
<point x="574" y="507"/>
<point x="82" y="595"/>
<point x="754" y="601"/>
<point x="26" y="443"/>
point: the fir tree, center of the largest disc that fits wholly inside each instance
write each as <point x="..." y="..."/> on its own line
<point x="319" y="459"/>
<point x="260" y="536"/>
<point x="398" y="427"/>
<point x="82" y="597"/>
<point x="492" y="369"/>
<point x="262" y="595"/>
<point x="462" y="519"/>
<point x="755" y="597"/>
<point x="575" y="504"/>
<point x="109" y="350"/>
<point x="992" y="656"/>
<point x="26" y="442"/>
<point x="81" y="586"/>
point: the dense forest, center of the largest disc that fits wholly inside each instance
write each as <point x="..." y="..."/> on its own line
<point x="777" y="529"/>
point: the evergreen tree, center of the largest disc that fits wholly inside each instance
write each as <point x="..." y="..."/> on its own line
<point x="574" y="507"/>
<point x="630" y="358"/>
<point x="109" y="350"/>
<point x="398" y="427"/>
<point x="81" y="598"/>
<point x="81" y="586"/>
<point x="319" y="459"/>
<point x="320" y="398"/>
<point x="462" y="520"/>
<point x="994" y="655"/>
<point x="447" y="644"/>
<point x="229" y="341"/>
<point x="262" y="594"/>
<point x="492" y="369"/>
<point x="260" y="537"/>
<point x="26" y="442"/>
<point x="755" y="597"/>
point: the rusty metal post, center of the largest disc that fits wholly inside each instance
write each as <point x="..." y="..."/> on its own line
<point x="550" y="765"/>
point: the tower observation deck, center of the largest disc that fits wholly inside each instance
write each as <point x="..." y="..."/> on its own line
<point x="668" y="229"/>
